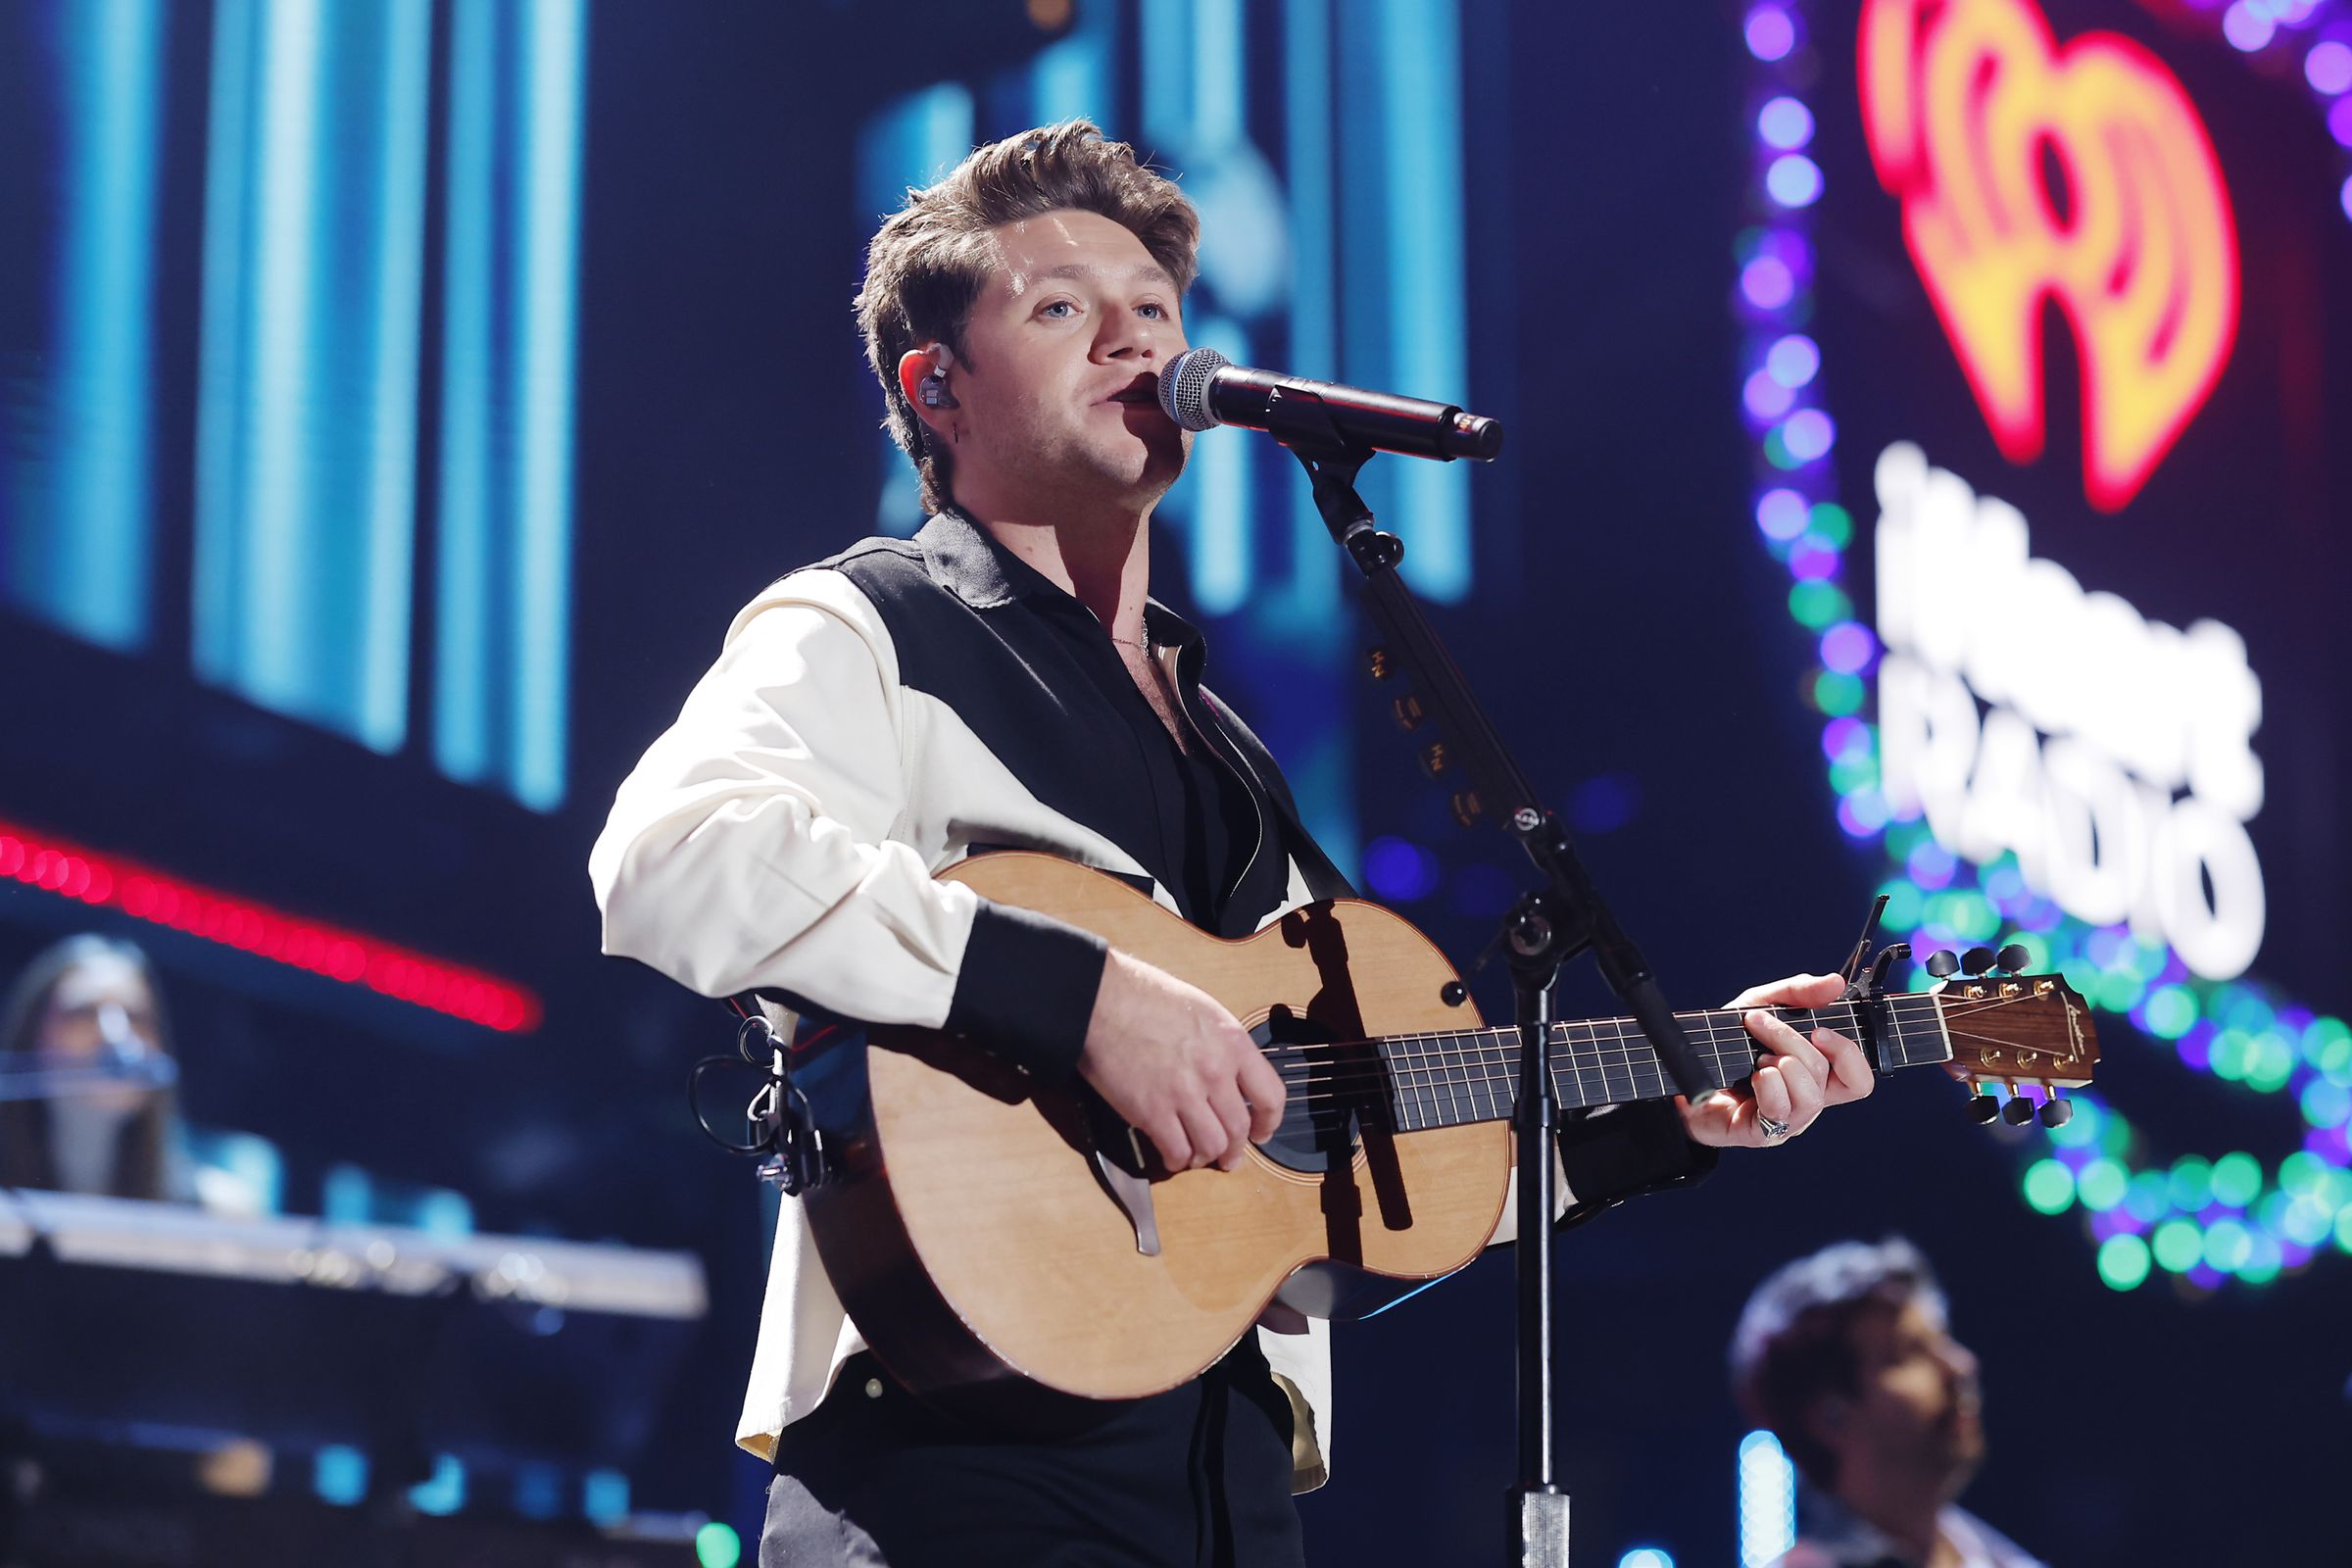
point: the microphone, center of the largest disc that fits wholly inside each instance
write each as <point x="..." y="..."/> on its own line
<point x="130" y="1057"/>
<point x="1201" y="387"/>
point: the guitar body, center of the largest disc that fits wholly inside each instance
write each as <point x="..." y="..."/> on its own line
<point x="983" y="1249"/>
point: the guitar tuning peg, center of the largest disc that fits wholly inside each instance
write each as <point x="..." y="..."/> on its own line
<point x="1982" y="1105"/>
<point x="1942" y="964"/>
<point x="1976" y="960"/>
<point x="2018" y="1110"/>
<point x="2057" y="1111"/>
<point x="2013" y="958"/>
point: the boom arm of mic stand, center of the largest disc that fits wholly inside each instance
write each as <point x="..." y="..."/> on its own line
<point x="1578" y="915"/>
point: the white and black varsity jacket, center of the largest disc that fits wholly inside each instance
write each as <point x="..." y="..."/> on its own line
<point x="870" y="721"/>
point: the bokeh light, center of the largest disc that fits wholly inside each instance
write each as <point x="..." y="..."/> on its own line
<point x="1786" y="123"/>
<point x="2327" y="68"/>
<point x="2248" y="26"/>
<point x="1793" y="179"/>
<point x="1771" y="35"/>
<point x="1792" y="361"/>
<point x="1767" y="282"/>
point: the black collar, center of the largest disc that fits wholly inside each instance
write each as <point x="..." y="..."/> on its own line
<point x="970" y="562"/>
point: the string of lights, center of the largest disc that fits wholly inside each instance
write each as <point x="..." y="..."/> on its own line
<point x="2206" y="1222"/>
<point x="86" y="876"/>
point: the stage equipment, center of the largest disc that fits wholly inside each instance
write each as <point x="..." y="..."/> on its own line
<point x="125" y="1316"/>
<point x="1202" y="388"/>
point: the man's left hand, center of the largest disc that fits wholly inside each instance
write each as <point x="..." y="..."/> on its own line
<point x="1796" y="1078"/>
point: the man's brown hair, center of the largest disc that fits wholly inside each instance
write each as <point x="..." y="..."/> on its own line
<point x="930" y="259"/>
<point x="1794" y="1344"/>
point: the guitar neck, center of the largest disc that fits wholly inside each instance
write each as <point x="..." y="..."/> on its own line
<point x="1442" y="1080"/>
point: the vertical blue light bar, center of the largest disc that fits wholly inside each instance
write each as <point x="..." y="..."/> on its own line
<point x="1401" y="203"/>
<point x="1767" y="1500"/>
<point x="910" y="141"/>
<point x="547" y="269"/>
<point x="1221" y="512"/>
<point x="1218" y="81"/>
<point x="1315" y="577"/>
<point x="1168" y="74"/>
<point x="1421" y="73"/>
<point x="1073" y="80"/>
<point x="464" y="630"/>
<point x="77" y="552"/>
<point x="511" y="270"/>
<point x="306" y="392"/>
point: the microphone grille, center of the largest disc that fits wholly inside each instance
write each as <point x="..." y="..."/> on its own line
<point x="1184" y="387"/>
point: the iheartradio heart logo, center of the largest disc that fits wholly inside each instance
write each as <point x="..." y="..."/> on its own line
<point x="2081" y="175"/>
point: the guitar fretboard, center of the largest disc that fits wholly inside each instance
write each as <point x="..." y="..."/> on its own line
<point x="1444" y="1079"/>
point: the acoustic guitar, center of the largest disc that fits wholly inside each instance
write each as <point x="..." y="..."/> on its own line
<point x="994" y="1238"/>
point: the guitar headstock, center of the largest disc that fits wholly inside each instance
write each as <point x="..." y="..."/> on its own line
<point x="2013" y="1029"/>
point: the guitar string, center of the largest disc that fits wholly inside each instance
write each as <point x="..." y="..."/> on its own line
<point x="1504" y="1040"/>
<point x="1418" y="1077"/>
<point x="1425" y="1075"/>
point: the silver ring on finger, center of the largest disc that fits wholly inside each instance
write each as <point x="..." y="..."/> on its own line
<point x="1774" y="1131"/>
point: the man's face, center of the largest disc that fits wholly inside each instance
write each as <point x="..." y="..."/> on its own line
<point x="1058" y="400"/>
<point x="1915" y="1404"/>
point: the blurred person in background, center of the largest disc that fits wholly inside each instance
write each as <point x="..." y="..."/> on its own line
<point x="87" y="1014"/>
<point x="1848" y="1357"/>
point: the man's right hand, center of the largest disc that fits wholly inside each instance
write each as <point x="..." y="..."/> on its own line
<point x="1178" y="1066"/>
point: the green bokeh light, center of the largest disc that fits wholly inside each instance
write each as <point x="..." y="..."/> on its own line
<point x="2231" y="1050"/>
<point x="1833" y="524"/>
<point x="2236" y="1178"/>
<point x="2123" y="1262"/>
<point x="1818" y="604"/>
<point x="1902" y="906"/>
<point x="2101" y="1185"/>
<point x="2344" y="1228"/>
<point x="2268" y="1062"/>
<point x="716" y="1545"/>
<point x="2149" y="1196"/>
<point x="2178" y="1243"/>
<point x="1836" y="693"/>
<point x="2119" y="991"/>
<point x="2171" y="1011"/>
<point x="2227" y="1246"/>
<point x="2192" y="1183"/>
<point x="2050" y="1187"/>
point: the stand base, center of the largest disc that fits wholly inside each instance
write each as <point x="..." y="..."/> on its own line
<point x="1541" y="1523"/>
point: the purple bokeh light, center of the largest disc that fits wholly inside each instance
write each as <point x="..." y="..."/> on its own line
<point x="1766" y="398"/>
<point x="1768" y="283"/>
<point x="2247" y="28"/>
<point x="1848" y="647"/>
<point x="2329" y="66"/>
<point x="1771" y="35"/>
<point x="1782" y="513"/>
<point x="1812" y="562"/>
<point x="1842" y="735"/>
<point x="1809" y="434"/>
<point x="2339" y="121"/>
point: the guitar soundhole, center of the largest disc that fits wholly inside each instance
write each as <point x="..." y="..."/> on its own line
<point x="1334" y="1090"/>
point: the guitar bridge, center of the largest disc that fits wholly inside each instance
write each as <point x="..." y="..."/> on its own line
<point x="1134" y="1194"/>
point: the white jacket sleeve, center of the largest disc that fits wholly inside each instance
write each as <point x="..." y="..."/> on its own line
<point x="756" y="845"/>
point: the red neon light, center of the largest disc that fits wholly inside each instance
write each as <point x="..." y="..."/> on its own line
<point x="105" y="881"/>
<point x="1959" y="99"/>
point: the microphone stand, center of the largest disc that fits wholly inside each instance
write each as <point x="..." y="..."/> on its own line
<point x="1564" y="917"/>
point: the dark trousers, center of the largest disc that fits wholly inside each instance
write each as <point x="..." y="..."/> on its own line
<point x="1199" y="1477"/>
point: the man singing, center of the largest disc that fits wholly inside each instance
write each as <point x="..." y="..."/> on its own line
<point x="1003" y="680"/>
